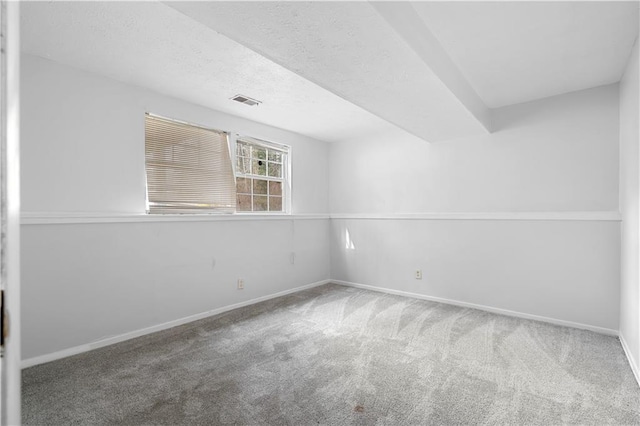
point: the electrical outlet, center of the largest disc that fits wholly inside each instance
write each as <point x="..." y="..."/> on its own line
<point x="240" y="284"/>
<point x="418" y="274"/>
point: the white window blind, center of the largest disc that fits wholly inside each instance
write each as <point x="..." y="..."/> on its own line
<point x="188" y="168"/>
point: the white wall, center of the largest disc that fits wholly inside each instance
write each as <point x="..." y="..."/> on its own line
<point x="629" y="207"/>
<point x="82" y="148"/>
<point x="83" y="153"/>
<point x="83" y="282"/>
<point x="86" y="282"/>
<point x="558" y="154"/>
<point x="555" y="155"/>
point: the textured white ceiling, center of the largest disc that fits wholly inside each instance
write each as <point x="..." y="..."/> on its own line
<point x="513" y="52"/>
<point x="351" y="50"/>
<point x="151" y="45"/>
<point x="334" y="70"/>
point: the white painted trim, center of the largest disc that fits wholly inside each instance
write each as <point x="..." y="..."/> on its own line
<point x="10" y="393"/>
<point x="137" y="333"/>
<point x="44" y="218"/>
<point x="613" y="216"/>
<point x="627" y="352"/>
<point x="31" y="218"/>
<point x="491" y="309"/>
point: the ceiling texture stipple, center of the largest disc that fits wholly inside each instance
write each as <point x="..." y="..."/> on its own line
<point x="151" y="45"/>
<point x="349" y="49"/>
<point x="340" y="70"/>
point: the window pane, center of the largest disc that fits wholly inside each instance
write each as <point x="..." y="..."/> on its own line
<point x="275" y="204"/>
<point x="243" y="165"/>
<point x="243" y="203"/>
<point x="259" y="167"/>
<point x="259" y="186"/>
<point x="243" y="185"/>
<point x="259" y="153"/>
<point x="275" y="188"/>
<point x="275" y="156"/>
<point x="259" y="203"/>
<point x="243" y="149"/>
<point x="275" y="170"/>
<point x="260" y="164"/>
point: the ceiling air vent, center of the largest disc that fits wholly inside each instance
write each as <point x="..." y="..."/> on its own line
<point x="245" y="100"/>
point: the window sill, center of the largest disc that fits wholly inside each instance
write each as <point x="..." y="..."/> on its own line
<point x="30" y="218"/>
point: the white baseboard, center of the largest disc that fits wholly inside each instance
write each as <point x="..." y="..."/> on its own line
<point x="502" y="216"/>
<point x="137" y="333"/>
<point x="500" y="311"/>
<point x="632" y="363"/>
<point x="30" y="362"/>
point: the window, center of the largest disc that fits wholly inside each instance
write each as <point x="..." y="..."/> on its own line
<point x="261" y="176"/>
<point x="188" y="168"/>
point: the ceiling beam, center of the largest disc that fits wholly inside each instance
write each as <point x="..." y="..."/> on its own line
<point x="404" y="19"/>
<point x="357" y="52"/>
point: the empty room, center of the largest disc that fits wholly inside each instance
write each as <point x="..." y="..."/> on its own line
<point x="270" y="213"/>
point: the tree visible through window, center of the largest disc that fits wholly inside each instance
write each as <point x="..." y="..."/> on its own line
<point x="261" y="174"/>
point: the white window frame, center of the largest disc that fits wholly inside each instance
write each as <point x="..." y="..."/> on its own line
<point x="286" y="171"/>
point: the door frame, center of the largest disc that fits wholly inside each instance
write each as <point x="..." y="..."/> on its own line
<point x="10" y="370"/>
